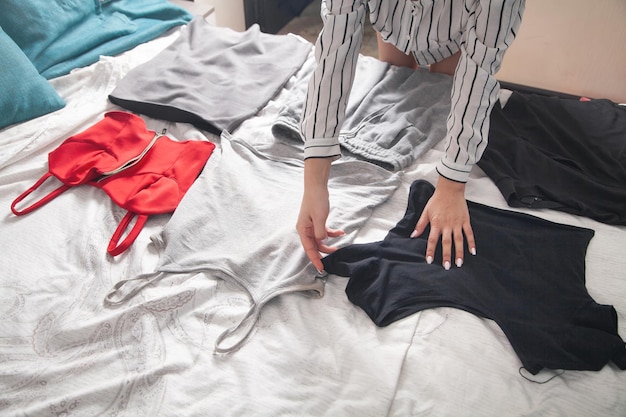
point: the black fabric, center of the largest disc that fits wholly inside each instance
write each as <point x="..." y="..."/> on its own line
<point x="559" y="153"/>
<point x="528" y="276"/>
<point x="272" y="15"/>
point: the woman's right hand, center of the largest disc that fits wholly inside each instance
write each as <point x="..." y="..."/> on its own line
<point x="314" y="210"/>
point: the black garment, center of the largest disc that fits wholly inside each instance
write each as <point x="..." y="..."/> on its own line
<point x="529" y="277"/>
<point x="559" y="153"/>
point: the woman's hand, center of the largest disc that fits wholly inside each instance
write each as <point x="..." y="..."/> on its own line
<point x="448" y="215"/>
<point x="311" y="224"/>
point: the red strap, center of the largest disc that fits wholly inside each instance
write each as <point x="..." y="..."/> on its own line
<point x="114" y="248"/>
<point x="41" y="202"/>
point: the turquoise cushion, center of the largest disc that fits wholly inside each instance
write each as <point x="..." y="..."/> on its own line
<point x="61" y="35"/>
<point x="24" y="94"/>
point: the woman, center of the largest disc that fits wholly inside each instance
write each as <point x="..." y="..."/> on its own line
<point x="466" y="39"/>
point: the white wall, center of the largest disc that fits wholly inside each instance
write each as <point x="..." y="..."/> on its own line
<point x="572" y="46"/>
<point x="229" y="13"/>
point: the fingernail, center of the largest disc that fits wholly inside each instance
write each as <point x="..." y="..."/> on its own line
<point x="429" y="259"/>
<point x="446" y="265"/>
<point x="473" y="251"/>
<point x="459" y="262"/>
<point x="413" y="234"/>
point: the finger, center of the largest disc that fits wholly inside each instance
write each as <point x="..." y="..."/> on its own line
<point x="469" y="237"/>
<point x="458" y="247"/>
<point x="327" y="249"/>
<point x="446" y="249"/>
<point x="319" y="231"/>
<point x="334" y="232"/>
<point x="311" y="249"/>
<point x="314" y="256"/>
<point x="323" y="247"/>
<point x="421" y="224"/>
<point x="431" y="244"/>
<point x="316" y="260"/>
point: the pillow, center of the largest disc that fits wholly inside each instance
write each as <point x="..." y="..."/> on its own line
<point x="24" y="93"/>
<point x="61" y="35"/>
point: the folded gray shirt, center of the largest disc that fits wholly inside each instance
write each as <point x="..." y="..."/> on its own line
<point x="212" y="77"/>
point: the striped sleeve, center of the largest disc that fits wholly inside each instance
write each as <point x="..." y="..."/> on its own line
<point x="336" y="52"/>
<point x="491" y="28"/>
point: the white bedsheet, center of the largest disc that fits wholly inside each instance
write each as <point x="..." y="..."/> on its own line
<point x="62" y="352"/>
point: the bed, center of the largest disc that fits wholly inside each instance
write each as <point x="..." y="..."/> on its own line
<point x="213" y="309"/>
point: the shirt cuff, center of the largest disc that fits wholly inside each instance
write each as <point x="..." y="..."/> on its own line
<point x="453" y="171"/>
<point x="322" y="148"/>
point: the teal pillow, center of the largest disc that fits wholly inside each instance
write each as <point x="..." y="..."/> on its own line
<point x="61" y="35"/>
<point x="24" y="94"/>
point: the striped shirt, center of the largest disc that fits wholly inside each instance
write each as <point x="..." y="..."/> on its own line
<point x="431" y="30"/>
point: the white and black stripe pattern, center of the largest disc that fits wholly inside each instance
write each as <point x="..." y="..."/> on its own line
<point x="336" y="52"/>
<point x="490" y="31"/>
<point x="432" y="30"/>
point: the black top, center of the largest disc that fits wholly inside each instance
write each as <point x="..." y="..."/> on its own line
<point x="529" y="277"/>
<point x="560" y="153"/>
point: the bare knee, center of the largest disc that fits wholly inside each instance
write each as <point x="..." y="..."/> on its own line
<point x="389" y="53"/>
<point x="447" y="65"/>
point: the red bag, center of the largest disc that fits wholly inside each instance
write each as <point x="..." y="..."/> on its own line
<point x="141" y="171"/>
